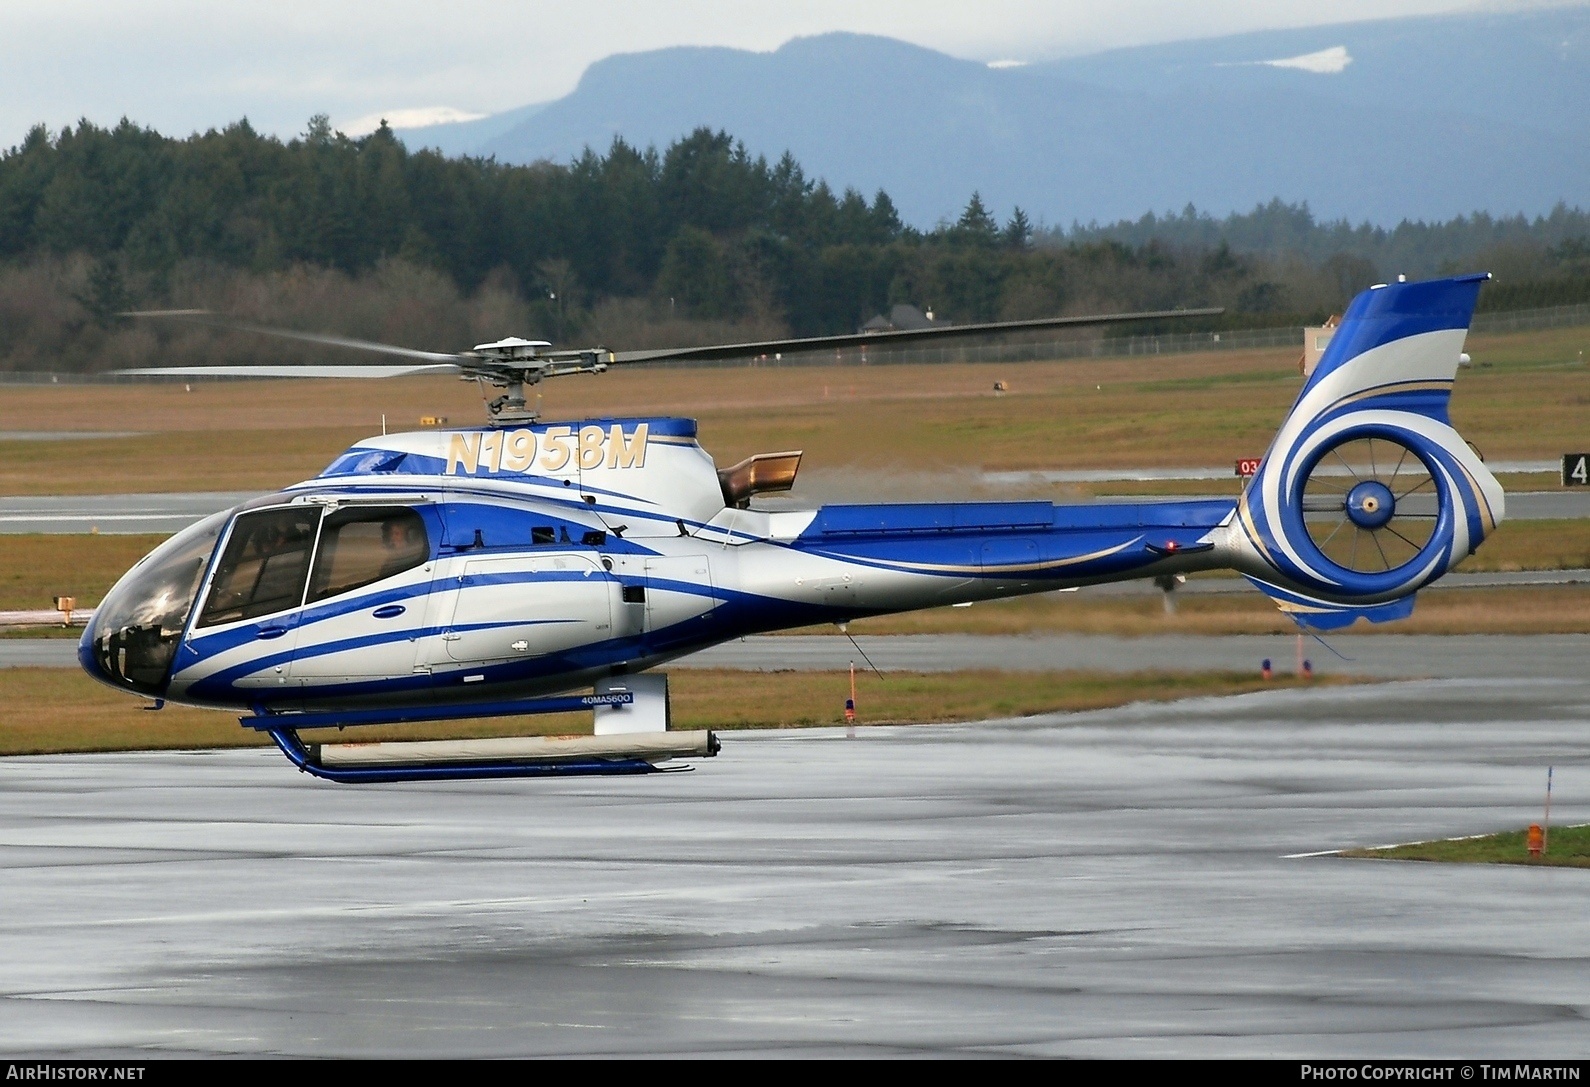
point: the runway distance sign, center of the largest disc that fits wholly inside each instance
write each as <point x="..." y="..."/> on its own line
<point x="1576" y="469"/>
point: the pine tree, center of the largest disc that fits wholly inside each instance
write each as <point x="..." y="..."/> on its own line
<point x="1018" y="232"/>
<point x="976" y="225"/>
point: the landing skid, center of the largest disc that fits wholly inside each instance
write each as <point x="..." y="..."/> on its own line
<point x="631" y="737"/>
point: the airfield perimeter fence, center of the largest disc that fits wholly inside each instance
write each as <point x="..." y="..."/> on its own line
<point x="993" y="351"/>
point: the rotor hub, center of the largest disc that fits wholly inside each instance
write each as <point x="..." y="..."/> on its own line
<point x="1370" y="504"/>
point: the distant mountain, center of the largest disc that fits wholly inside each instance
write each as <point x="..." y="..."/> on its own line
<point x="467" y="137"/>
<point x="1423" y="118"/>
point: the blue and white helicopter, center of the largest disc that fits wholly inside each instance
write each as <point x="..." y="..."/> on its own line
<point x="527" y="566"/>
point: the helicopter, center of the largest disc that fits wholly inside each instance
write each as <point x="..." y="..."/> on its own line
<point x="528" y="566"/>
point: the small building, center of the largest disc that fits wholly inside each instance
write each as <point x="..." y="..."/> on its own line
<point x="1315" y="340"/>
<point x="904" y="317"/>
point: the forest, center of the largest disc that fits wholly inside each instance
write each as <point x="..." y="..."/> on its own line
<point x="696" y="243"/>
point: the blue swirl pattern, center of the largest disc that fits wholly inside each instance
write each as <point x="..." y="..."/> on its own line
<point x="1387" y="374"/>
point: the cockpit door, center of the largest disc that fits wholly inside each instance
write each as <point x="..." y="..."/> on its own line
<point x="248" y="622"/>
<point x="369" y="590"/>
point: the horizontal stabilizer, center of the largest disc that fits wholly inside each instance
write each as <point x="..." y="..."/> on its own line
<point x="1311" y="613"/>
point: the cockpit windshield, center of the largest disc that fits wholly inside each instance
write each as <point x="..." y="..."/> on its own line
<point x="137" y="625"/>
<point x="264" y="567"/>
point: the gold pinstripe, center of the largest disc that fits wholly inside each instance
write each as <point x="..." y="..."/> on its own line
<point x="1289" y="607"/>
<point x="947" y="568"/>
<point x="1384" y="390"/>
<point x="1487" y="518"/>
<point x="1252" y="530"/>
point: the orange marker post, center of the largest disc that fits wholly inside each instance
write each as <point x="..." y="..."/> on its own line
<point x="1545" y="824"/>
<point x="850" y="703"/>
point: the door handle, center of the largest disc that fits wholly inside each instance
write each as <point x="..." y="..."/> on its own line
<point x="267" y="633"/>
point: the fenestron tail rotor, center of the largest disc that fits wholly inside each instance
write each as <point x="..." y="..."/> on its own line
<point x="1370" y="505"/>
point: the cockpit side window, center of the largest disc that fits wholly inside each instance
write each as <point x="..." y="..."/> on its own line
<point x="360" y="546"/>
<point x="264" y="566"/>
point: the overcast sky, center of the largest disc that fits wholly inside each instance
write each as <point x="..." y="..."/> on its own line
<point x="185" y="65"/>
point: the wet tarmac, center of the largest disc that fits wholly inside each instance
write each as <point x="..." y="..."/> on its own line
<point x="1125" y="883"/>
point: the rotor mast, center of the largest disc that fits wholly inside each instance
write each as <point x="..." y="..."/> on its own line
<point x="514" y="363"/>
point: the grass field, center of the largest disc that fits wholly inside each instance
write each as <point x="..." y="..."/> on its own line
<point x="1558" y="609"/>
<point x="35" y="569"/>
<point x="1566" y="847"/>
<point x="1533" y="545"/>
<point x="1525" y="398"/>
<point x="59" y="709"/>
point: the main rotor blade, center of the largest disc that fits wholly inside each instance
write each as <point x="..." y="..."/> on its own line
<point x="363" y="370"/>
<point x="214" y="320"/>
<point x="472" y="362"/>
<point x="810" y="343"/>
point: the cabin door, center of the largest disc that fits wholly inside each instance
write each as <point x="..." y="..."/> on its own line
<point x="522" y="606"/>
